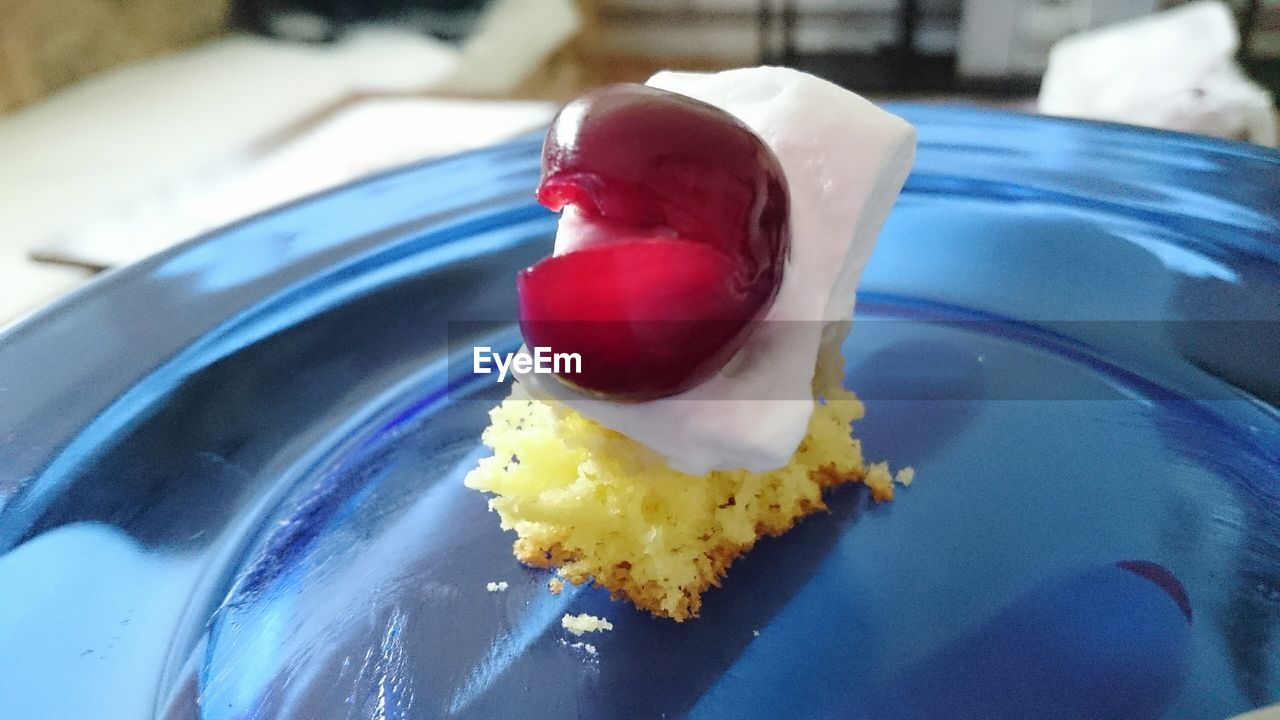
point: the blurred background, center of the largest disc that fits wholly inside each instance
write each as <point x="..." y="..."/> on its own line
<point x="127" y="126"/>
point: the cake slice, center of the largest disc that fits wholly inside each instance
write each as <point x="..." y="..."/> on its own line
<point x="599" y="506"/>
<point x="710" y="245"/>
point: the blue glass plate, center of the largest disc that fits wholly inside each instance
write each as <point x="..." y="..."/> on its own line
<point x="230" y="477"/>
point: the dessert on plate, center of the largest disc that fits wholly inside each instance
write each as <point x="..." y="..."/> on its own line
<point x="712" y="234"/>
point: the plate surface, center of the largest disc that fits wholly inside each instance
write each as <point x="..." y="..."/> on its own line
<point x="230" y="484"/>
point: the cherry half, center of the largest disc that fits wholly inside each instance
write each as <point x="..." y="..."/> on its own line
<point x="676" y="249"/>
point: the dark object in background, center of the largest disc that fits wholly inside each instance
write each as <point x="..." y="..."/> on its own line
<point x="1260" y="44"/>
<point x="900" y="66"/>
<point x="905" y="66"/>
<point x="326" y="20"/>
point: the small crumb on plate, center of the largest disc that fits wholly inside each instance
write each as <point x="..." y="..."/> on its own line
<point x="556" y="586"/>
<point x="904" y="476"/>
<point x="584" y="623"/>
<point x="500" y="586"/>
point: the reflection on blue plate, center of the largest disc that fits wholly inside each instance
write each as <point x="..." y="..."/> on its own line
<point x="231" y="475"/>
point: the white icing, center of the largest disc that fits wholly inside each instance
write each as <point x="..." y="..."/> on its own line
<point x="845" y="162"/>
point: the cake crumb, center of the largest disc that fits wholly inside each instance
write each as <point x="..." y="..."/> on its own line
<point x="555" y="586"/>
<point x="586" y="647"/>
<point x="880" y="481"/>
<point x="500" y="586"/>
<point x="904" y="476"/>
<point x="584" y="623"/>
<point x="755" y="633"/>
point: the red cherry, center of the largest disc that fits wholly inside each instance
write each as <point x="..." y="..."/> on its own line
<point x="688" y="211"/>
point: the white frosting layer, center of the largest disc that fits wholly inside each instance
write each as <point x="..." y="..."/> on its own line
<point x="845" y="162"/>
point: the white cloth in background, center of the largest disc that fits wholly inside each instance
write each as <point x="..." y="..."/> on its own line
<point x="102" y="143"/>
<point x="124" y="142"/>
<point x="513" y="38"/>
<point x="1174" y="70"/>
<point x="356" y="141"/>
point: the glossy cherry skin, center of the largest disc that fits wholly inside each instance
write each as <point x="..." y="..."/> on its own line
<point x="687" y="211"/>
